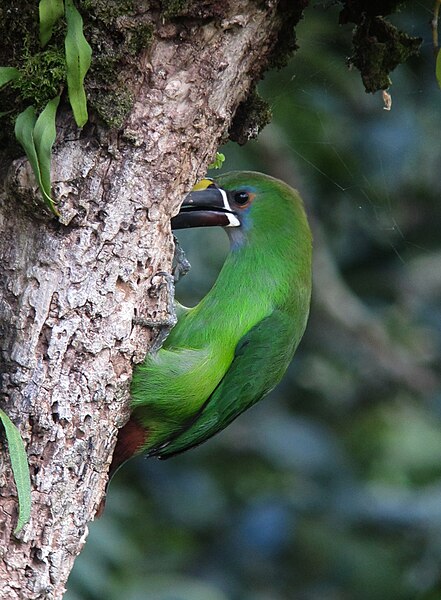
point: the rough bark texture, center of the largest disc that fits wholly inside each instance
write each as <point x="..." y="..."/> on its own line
<point x="71" y="291"/>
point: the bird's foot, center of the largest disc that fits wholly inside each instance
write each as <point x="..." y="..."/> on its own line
<point x="166" y="324"/>
<point x="181" y="266"/>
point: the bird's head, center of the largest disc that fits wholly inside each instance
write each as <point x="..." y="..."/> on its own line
<point x="209" y="205"/>
<point x="244" y="203"/>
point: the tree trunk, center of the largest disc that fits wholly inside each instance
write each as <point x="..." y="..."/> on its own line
<point x="74" y="291"/>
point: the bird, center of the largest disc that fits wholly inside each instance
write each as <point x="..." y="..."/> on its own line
<point x="232" y="348"/>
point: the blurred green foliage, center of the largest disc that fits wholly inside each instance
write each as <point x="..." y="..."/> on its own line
<point x="330" y="489"/>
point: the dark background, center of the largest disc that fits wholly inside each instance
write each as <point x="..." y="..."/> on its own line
<point x="330" y="489"/>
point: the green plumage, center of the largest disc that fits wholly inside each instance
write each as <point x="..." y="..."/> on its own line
<point x="231" y="349"/>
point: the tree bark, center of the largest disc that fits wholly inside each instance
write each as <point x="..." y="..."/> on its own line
<point x="74" y="291"/>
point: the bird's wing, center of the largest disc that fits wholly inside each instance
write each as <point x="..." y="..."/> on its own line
<point x="260" y="360"/>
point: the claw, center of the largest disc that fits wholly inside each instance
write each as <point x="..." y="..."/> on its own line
<point x="181" y="266"/>
<point x="164" y="325"/>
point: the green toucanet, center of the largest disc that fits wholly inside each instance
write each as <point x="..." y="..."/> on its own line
<point x="231" y="349"/>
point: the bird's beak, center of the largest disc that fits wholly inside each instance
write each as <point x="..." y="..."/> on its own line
<point x="205" y="206"/>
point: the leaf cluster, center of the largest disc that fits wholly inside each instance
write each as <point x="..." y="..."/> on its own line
<point x="42" y="79"/>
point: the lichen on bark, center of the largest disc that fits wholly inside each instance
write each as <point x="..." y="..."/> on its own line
<point x="118" y="35"/>
<point x="378" y="45"/>
<point x="250" y="118"/>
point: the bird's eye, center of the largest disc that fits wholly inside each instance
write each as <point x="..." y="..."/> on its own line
<point x="241" y="198"/>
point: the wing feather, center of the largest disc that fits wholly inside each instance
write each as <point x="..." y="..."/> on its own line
<point x="261" y="358"/>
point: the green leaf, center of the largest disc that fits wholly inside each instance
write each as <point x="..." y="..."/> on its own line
<point x="24" y="132"/>
<point x="37" y="137"/>
<point x="78" y="58"/>
<point x="218" y="161"/>
<point x="438" y="68"/>
<point x="20" y="470"/>
<point x="50" y="11"/>
<point x="44" y="138"/>
<point x="8" y="74"/>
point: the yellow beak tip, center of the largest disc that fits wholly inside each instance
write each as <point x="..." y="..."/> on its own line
<point x="203" y="184"/>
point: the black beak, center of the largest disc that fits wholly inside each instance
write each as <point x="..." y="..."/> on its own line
<point x="205" y="208"/>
